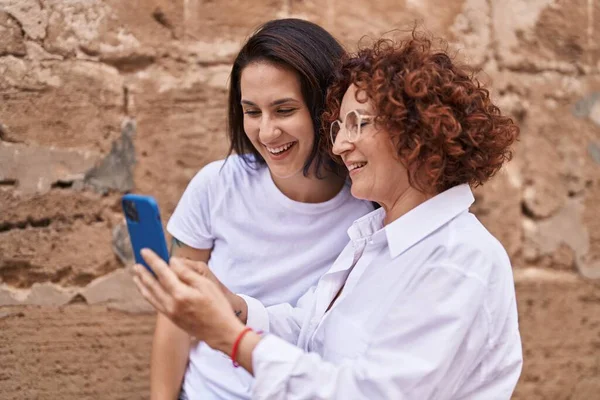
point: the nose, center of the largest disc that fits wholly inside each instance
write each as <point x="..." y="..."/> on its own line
<point x="269" y="131"/>
<point x="341" y="144"/>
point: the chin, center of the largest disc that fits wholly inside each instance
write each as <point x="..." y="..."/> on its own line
<point x="358" y="192"/>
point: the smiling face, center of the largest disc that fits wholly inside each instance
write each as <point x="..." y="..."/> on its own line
<point x="276" y="118"/>
<point x="375" y="169"/>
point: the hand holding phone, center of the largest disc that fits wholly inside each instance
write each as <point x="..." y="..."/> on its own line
<point x="145" y="227"/>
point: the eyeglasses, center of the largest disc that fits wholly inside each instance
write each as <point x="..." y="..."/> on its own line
<point x="353" y="122"/>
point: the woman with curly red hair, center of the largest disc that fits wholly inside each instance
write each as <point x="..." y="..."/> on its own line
<point x="421" y="302"/>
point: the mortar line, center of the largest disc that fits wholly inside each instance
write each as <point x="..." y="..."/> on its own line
<point x="330" y="14"/>
<point x="492" y="36"/>
<point x="185" y="20"/>
<point x="286" y="7"/>
<point x="590" y="32"/>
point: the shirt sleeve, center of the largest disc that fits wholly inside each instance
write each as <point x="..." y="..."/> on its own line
<point x="412" y="355"/>
<point x="191" y="222"/>
<point x="283" y="320"/>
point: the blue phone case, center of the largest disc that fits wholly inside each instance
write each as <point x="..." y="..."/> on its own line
<point x="144" y="226"/>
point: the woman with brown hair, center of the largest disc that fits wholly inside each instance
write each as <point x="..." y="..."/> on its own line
<point x="421" y="303"/>
<point x="253" y="217"/>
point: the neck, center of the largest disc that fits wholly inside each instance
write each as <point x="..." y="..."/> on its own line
<point x="310" y="189"/>
<point x="403" y="203"/>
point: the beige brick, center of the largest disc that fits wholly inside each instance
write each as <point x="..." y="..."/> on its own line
<point x="111" y="29"/>
<point x="589" y="263"/>
<point x="544" y="34"/>
<point x="227" y="19"/>
<point x="36" y="169"/>
<point x="560" y="326"/>
<point x="11" y="36"/>
<point x="69" y="253"/>
<point x="74" y="352"/>
<point x="63" y="104"/>
<point x="181" y="126"/>
<point x="117" y="291"/>
<point x="349" y="22"/>
<point x="30" y="14"/>
<point x="497" y="205"/>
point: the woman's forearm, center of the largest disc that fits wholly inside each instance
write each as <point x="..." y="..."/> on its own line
<point x="245" y="347"/>
<point x="240" y="308"/>
<point x="245" y="350"/>
<point x="170" y="351"/>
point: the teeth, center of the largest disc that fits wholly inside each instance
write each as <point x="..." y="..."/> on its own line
<point x="276" y="150"/>
<point x="356" y="165"/>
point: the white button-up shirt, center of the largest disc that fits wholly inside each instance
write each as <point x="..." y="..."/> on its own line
<point x="427" y="311"/>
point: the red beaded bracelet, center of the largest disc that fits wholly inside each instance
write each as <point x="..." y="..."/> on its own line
<point x="236" y="346"/>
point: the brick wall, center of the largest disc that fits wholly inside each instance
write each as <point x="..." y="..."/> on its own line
<point x="99" y="97"/>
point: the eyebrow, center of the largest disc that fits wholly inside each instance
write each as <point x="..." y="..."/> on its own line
<point x="361" y="111"/>
<point x="274" y="103"/>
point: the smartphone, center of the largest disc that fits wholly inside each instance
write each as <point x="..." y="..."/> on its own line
<point x="145" y="227"/>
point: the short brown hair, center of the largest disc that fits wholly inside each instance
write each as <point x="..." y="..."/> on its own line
<point x="445" y="128"/>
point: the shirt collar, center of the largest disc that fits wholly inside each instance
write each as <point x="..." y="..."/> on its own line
<point x="424" y="219"/>
<point x="367" y="225"/>
<point x="416" y="224"/>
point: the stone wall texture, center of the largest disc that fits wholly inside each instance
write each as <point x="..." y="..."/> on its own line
<point x="102" y="97"/>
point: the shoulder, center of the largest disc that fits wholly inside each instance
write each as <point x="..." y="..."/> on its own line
<point x="468" y="247"/>
<point x="469" y="233"/>
<point x="210" y="170"/>
<point x="233" y="169"/>
<point x="478" y="255"/>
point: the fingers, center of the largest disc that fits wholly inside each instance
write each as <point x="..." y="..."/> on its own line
<point x="198" y="266"/>
<point x="150" y="288"/>
<point x="201" y="268"/>
<point x="172" y="305"/>
<point x="165" y="276"/>
<point x="188" y="272"/>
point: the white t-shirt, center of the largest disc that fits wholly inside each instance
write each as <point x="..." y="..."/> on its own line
<point x="263" y="244"/>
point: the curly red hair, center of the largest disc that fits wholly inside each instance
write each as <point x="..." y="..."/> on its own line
<point x="445" y="128"/>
